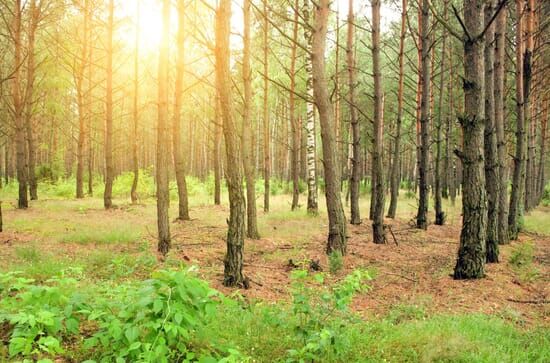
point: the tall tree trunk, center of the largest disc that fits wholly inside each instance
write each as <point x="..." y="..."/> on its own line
<point x="135" y="110"/>
<point x="18" y="109"/>
<point x="337" y="223"/>
<point x="109" y="168"/>
<point x="163" y="136"/>
<point x="217" y="143"/>
<point x="266" y="130"/>
<point x="395" y="171"/>
<point x="471" y="254"/>
<point x="233" y="261"/>
<point x="179" y="163"/>
<point x="356" y="131"/>
<point x="422" y="214"/>
<point x="29" y="99"/>
<point x="542" y="148"/>
<point x="529" y="122"/>
<point x="80" y="95"/>
<point x="499" y="69"/>
<point x="518" y="178"/>
<point x="294" y="125"/>
<point x="491" y="160"/>
<point x="247" y="127"/>
<point x="378" y="233"/>
<point x="89" y="112"/>
<point x="312" y="191"/>
<point x="439" y="214"/>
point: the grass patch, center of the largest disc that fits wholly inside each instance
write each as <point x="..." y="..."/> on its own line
<point x="521" y="260"/>
<point x="102" y="236"/>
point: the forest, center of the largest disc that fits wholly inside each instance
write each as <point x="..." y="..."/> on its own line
<point x="274" y="181"/>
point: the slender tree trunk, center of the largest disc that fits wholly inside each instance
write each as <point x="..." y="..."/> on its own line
<point x="500" y="60"/>
<point x="439" y="214"/>
<point x="312" y="191"/>
<point x="266" y="130"/>
<point x="518" y="179"/>
<point x="18" y="109"/>
<point x="356" y="158"/>
<point x="422" y="214"/>
<point x="218" y="124"/>
<point x="470" y="263"/>
<point x="109" y="168"/>
<point x="294" y="125"/>
<point x="135" y="111"/>
<point x="179" y="163"/>
<point x="233" y="261"/>
<point x="529" y="13"/>
<point x="491" y="160"/>
<point x="542" y="148"/>
<point x="89" y="112"/>
<point x="80" y="95"/>
<point x="29" y="99"/>
<point x="378" y="232"/>
<point x="337" y="223"/>
<point x="163" y="136"/>
<point x="247" y="127"/>
<point x="395" y="171"/>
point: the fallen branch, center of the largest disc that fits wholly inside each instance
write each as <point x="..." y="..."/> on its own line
<point x="536" y="302"/>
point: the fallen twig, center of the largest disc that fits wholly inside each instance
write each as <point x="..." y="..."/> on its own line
<point x="536" y="302"/>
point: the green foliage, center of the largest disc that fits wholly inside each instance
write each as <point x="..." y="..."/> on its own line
<point x="546" y="196"/>
<point x="41" y="315"/>
<point x="154" y="321"/>
<point x="335" y="261"/>
<point x="127" y="234"/>
<point x="313" y="311"/>
<point x="521" y="260"/>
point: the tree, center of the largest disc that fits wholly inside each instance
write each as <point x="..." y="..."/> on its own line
<point x="163" y="138"/>
<point x="518" y="178"/>
<point x="470" y="263"/>
<point x="312" y="203"/>
<point x="356" y="158"/>
<point x="502" y="152"/>
<point x="247" y="145"/>
<point x="267" y="132"/>
<point x="294" y="123"/>
<point x="233" y="261"/>
<point x="490" y="138"/>
<point x="439" y="214"/>
<point x="378" y="233"/>
<point x="109" y="167"/>
<point x="179" y="163"/>
<point x="337" y="223"/>
<point x="395" y="174"/>
<point x="135" y="111"/>
<point x="18" y="108"/>
<point x="422" y="214"/>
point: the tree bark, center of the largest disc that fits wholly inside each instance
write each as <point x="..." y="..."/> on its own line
<point x="422" y="214"/>
<point x="356" y="132"/>
<point x="218" y="124"/>
<point x="312" y="191"/>
<point x="337" y="223"/>
<point x="518" y="178"/>
<point x="500" y="61"/>
<point x="18" y="109"/>
<point x="109" y="168"/>
<point x="29" y="99"/>
<point x="491" y="160"/>
<point x="179" y="163"/>
<point x="247" y="127"/>
<point x="135" y="111"/>
<point x="378" y="233"/>
<point x="266" y="130"/>
<point x="80" y="96"/>
<point x="395" y="171"/>
<point x="163" y="136"/>
<point x="471" y="254"/>
<point x="294" y="125"/>
<point x="233" y="261"/>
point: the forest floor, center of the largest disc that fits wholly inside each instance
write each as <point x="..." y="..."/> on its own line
<point x="412" y="272"/>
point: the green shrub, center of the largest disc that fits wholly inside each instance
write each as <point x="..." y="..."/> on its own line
<point x="521" y="260"/>
<point x="336" y="262"/>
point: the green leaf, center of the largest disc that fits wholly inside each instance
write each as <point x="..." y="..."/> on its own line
<point x="131" y="334"/>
